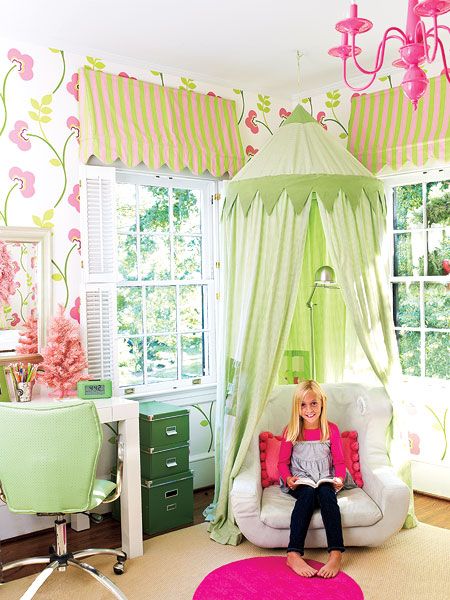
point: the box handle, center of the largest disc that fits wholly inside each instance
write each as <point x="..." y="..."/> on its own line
<point x="171" y="493"/>
<point x="172" y="430"/>
<point x="171" y="462"/>
<point x="171" y="507"/>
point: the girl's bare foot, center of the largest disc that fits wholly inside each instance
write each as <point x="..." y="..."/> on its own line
<point x="297" y="564"/>
<point x="333" y="565"/>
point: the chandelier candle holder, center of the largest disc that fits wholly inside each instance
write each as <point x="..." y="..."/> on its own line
<point x="418" y="45"/>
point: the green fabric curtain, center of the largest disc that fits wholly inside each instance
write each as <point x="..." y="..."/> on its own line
<point x="329" y="314"/>
<point x="262" y="265"/>
<point x="356" y="242"/>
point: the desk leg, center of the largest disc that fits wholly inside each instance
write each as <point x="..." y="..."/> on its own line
<point x="130" y="499"/>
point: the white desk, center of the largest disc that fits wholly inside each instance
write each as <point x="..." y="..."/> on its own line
<point x="126" y="413"/>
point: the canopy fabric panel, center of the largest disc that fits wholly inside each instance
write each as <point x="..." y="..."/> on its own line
<point x="385" y="130"/>
<point x="136" y="121"/>
<point x="299" y="160"/>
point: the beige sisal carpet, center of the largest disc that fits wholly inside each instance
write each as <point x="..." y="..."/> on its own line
<point x="413" y="565"/>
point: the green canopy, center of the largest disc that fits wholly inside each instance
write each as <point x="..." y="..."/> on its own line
<point x="301" y="158"/>
<point x="302" y="198"/>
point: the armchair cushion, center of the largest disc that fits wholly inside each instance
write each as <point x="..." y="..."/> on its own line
<point x="357" y="509"/>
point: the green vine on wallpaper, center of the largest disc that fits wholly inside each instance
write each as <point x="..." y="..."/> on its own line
<point x="95" y="63"/>
<point x="41" y="114"/>
<point x="28" y="280"/>
<point x="264" y="106"/>
<point x="306" y="101"/>
<point x="158" y="74"/>
<point x="333" y="102"/>
<point x="188" y="84"/>
<point x="241" y="93"/>
<point x="206" y="422"/>
<point x="62" y="273"/>
<point x="61" y="79"/>
<point x="3" y="98"/>
<point x="441" y="426"/>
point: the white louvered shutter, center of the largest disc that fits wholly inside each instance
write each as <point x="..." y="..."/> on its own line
<point x="98" y="209"/>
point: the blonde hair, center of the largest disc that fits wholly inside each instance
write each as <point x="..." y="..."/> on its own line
<point x="294" y="430"/>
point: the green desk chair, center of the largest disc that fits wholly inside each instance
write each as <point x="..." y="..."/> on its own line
<point x="48" y="462"/>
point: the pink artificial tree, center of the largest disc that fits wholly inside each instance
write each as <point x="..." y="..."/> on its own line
<point x="64" y="359"/>
<point x="7" y="273"/>
<point x="28" y="338"/>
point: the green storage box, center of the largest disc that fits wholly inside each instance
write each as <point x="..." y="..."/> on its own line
<point x="164" y="461"/>
<point x="162" y="424"/>
<point x="167" y="503"/>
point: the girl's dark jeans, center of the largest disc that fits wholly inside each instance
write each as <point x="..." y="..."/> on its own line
<point x="307" y="499"/>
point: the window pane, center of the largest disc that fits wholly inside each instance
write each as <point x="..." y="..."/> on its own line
<point x="188" y="258"/>
<point x="127" y="257"/>
<point x="155" y="257"/>
<point x="437" y="305"/>
<point x="161" y="309"/>
<point x="193" y="355"/>
<point x="409" y="350"/>
<point x="186" y="211"/>
<point x="161" y="358"/>
<point x="126" y="207"/>
<point x="438" y="251"/>
<point x="192" y="300"/>
<point x="129" y="310"/>
<point x="153" y="208"/>
<point x="406" y="304"/>
<point x="437" y="355"/>
<point x="408" y="211"/>
<point x="438" y="203"/>
<point x="408" y="253"/>
<point x="131" y="361"/>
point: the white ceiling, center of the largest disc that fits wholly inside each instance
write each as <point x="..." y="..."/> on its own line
<point x="248" y="44"/>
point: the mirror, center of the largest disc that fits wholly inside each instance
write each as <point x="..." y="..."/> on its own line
<point x="25" y="291"/>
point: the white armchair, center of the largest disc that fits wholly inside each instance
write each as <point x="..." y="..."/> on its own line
<point x="370" y="514"/>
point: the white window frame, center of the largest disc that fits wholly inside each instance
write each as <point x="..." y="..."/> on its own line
<point x="390" y="182"/>
<point x="210" y="266"/>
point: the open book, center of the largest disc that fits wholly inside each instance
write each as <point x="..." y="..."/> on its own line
<point x="311" y="483"/>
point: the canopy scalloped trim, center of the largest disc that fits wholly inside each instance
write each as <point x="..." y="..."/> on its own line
<point x="299" y="188"/>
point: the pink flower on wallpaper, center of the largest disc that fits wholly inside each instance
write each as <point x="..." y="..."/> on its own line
<point x="25" y="179"/>
<point x="320" y="117"/>
<point x="15" y="319"/>
<point x="74" y="125"/>
<point x="74" y="198"/>
<point x="75" y="236"/>
<point x="73" y="87"/>
<point x="123" y="74"/>
<point x="75" y="310"/>
<point x="24" y="62"/>
<point x="19" y="135"/>
<point x="250" y="151"/>
<point x="33" y="262"/>
<point x="414" y="443"/>
<point x="284" y="114"/>
<point x="250" y="121"/>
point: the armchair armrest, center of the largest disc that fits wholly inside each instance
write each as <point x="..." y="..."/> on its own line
<point x="118" y="489"/>
<point x="389" y="492"/>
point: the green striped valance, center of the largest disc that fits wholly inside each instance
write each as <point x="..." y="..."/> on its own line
<point x="384" y="128"/>
<point x="135" y="121"/>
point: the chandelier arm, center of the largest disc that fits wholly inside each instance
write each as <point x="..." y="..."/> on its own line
<point x="444" y="61"/>
<point x="432" y="32"/>
<point x="444" y="27"/>
<point x="380" y="52"/>
<point x="356" y="89"/>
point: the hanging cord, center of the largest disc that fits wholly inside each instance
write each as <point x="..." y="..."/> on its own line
<point x="299" y="56"/>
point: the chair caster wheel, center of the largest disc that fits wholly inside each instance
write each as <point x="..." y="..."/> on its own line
<point x="119" y="568"/>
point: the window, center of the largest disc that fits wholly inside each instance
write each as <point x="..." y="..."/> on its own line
<point x="420" y="218"/>
<point x="165" y="289"/>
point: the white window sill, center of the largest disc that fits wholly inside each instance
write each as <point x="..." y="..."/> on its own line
<point x="193" y="391"/>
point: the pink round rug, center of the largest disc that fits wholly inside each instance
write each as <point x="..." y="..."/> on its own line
<point x="270" y="577"/>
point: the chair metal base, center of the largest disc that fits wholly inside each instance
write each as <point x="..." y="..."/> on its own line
<point x="60" y="559"/>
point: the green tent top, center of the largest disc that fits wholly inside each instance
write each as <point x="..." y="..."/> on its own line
<point x="302" y="159"/>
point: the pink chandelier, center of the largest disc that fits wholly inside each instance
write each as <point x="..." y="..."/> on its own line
<point x="419" y="44"/>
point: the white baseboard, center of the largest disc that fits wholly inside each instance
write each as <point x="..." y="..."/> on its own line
<point x="431" y="479"/>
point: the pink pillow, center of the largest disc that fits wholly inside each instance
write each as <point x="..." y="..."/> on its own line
<point x="269" y="452"/>
<point x="350" y="447"/>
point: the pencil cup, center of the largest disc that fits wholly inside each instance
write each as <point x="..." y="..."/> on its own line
<point x="24" y="391"/>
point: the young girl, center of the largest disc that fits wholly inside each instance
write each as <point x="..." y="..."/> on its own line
<point x="311" y="447"/>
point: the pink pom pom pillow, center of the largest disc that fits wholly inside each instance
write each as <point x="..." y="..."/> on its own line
<point x="350" y="447"/>
<point x="269" y="451"/>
